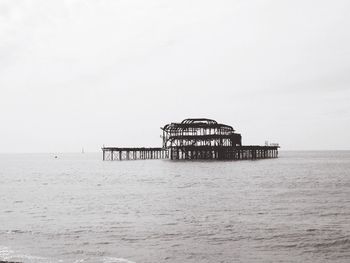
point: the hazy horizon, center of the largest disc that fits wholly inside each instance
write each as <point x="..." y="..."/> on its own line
<point x="281" y="151"/>
<point x="80" y="73"/>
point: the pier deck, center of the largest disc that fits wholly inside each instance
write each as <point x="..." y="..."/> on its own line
<point x="136" y="153"/>
<point x="248" y="152"/>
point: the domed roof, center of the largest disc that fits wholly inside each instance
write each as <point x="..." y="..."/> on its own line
<point x="198" y="120"/>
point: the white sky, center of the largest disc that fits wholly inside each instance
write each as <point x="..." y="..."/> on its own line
<point x="83" y="73"/>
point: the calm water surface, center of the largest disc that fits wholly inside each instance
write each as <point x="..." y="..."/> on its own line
<point x="79" y="209"/>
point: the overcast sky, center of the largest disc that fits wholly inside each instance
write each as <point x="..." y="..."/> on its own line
<point x="83" y="73"/>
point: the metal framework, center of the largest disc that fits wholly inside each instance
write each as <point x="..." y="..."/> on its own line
<point x="200" y="139"/>
<point x="199" y="132"/>
<point x="117" y="153"/>
<point x="194" y="139"/>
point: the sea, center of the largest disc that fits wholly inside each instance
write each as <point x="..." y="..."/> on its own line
<point x="77" y="208"/>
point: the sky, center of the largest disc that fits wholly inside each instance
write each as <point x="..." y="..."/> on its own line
<point x="88" y="73"/>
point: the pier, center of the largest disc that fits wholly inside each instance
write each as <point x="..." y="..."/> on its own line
<point x="115" y="153"/>
<point x="195" y="139"/>
<point x="250" y="152"/>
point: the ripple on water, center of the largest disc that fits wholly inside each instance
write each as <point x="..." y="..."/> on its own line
<point x="294" y="207"/>
<point x="116" y="260"/>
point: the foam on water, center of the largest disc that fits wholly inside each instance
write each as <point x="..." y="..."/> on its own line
<point x="116" y="260"/>
<point x="7" y="254"/>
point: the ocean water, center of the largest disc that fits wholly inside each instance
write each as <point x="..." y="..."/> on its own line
<point x="77" y="208"/>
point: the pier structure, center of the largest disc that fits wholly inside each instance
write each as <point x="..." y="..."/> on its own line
<point x="141" y="153"/>
<point x="196" y="139"/>
<point x="207" y="139"/>
<point x="250" y="152"/>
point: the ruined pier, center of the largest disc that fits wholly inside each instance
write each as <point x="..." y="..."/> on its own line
<point x="195" y="139"/>
<point x="250" y="152"/>
<point x="141" y="153"/>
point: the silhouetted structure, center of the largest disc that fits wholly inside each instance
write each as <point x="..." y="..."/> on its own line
<point x="196" y="139"/>
<point x="134" y="153"/>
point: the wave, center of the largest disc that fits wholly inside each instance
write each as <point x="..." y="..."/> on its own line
<point x="116" y="260"/>
<point x="335" y="243"/>
<point x="8" y="255"/>
<point x="339" y="244"/>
